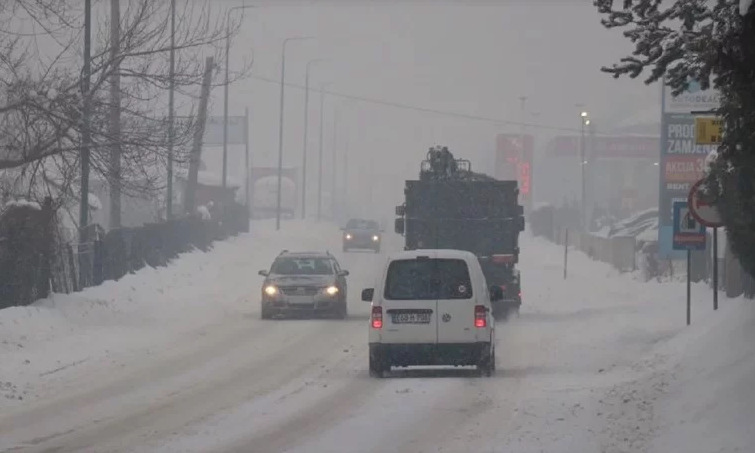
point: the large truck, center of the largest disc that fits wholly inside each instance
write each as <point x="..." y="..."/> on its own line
<point x="452" y="207"/>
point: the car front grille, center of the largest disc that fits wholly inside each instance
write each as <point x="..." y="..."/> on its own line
<point x="299" y="290"/>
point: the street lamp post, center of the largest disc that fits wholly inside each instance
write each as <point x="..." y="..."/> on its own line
<point x="334" y="173"/>
<point x="585" y="121"/>
<point x="225" y="91"/>
<point x="280" y="126"/>
<point x="320" y="157"/>
<point x="304" y="148"/>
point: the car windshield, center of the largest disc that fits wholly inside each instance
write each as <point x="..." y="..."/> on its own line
<point x="357" y="224"/>
<point x="428" y="279"/>
<point x="302" y="266"/>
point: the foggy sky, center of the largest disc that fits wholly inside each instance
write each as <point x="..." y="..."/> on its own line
<point x="474" y="58"/>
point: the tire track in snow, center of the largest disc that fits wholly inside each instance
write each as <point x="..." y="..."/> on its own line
<point x="231" y="369"/>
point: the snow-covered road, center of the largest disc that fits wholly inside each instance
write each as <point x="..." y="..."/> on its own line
<point x="177" y="359"/>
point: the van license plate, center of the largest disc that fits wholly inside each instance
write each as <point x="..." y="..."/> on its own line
<point x="410" y="318"/>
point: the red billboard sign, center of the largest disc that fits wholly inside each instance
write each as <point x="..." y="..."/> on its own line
<point x="513" y="161"/>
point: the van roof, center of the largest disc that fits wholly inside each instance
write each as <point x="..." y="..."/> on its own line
<point x="433" y="253"/>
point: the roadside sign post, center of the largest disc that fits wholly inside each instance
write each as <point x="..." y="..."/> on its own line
<point x="706" y="214"/>
<point x="689" y="235"/>
<point x="715" y="268"/>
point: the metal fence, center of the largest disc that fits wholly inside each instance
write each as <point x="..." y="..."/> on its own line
<point x="31" y="264"/>
<point x="627" y="254"/>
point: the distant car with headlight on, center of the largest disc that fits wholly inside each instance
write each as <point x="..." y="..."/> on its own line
<point x="362" y="234"/>
<point x="304" y="283"/>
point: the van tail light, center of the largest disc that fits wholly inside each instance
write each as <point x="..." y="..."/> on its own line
<point x="377" y="317"/>
<point x="480" y="316"/>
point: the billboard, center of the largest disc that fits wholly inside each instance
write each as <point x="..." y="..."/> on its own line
<point x="513" y="161"/>
<point x="213" y="130"/>
<point x="623" y="147"/>
<point x="682" y="159"/>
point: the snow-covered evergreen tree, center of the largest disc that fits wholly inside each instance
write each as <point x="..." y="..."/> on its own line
<point x="713" y="43"/>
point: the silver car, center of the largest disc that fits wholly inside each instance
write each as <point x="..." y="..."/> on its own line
<point x="304" y="283"/>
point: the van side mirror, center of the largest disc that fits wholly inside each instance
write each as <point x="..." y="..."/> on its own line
<point x="263" y="273"/>
<point x="400" y="210"/>
<point x="367" y="294"/>
<point x="496" y="293"/>
<point x="343" y="273"/>
<point x="398" y="226"/>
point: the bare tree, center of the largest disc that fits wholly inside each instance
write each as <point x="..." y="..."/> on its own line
<point x="41" y="99"/>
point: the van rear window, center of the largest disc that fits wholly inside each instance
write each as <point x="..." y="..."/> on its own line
<point x="428" y="279"/>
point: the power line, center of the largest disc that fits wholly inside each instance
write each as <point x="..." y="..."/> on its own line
<point x="415" y="108"/>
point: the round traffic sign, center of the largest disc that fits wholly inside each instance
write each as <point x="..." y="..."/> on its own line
<point x="704" y="212"/>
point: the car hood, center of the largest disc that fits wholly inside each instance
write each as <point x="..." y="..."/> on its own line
<point x="301" y="280"/>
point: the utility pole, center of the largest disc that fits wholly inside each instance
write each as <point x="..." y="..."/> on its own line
<point x="523" y="101"/>
<point x="319" y="163"/>
<point x="344" y="198"/>
<point x="115" y="116"/>
<point x="196" y="152"/>
<point x="304" y="147"/>
<point x="225" y="90"/>
<point x="86" y="139"/>
<point x="280" y="127"/>
<point x="171" y="106"/>
<point x="246" y="157"/>
<point x="334" y="172"/>
<point x="225" y="103"/>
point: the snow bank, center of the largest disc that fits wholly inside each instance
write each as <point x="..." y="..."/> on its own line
<point x="711" y="407"/>
<point x="142" y="309"/>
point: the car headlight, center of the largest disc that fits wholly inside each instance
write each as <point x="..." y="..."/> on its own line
<point x="271" y="290"/>
<point x="348" y="237"/>
<point x="375" y="238"/>
<point x="331" y="290"/>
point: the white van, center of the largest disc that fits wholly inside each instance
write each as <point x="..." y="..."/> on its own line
<point x="431" y="307"/>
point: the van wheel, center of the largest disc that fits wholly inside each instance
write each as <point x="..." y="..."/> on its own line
<point x="486" y="366"/>
<point x="376" y="367"/>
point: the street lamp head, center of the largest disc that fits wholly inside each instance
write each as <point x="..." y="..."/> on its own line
<point x="236" y="8"/>
<point x="583" y="114"/>
<point x="587" y="122"/>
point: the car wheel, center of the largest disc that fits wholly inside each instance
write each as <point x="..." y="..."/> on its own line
<point x="342" y="312"/>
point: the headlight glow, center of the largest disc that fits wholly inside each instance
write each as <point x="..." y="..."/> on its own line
<point x="271" y="290"/>
<point x="348" y="237"/>
<point x="375" y="238"/>
<point x="331" y="290"/>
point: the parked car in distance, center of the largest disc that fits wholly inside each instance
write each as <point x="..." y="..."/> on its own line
<point x="362" y="234"/>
